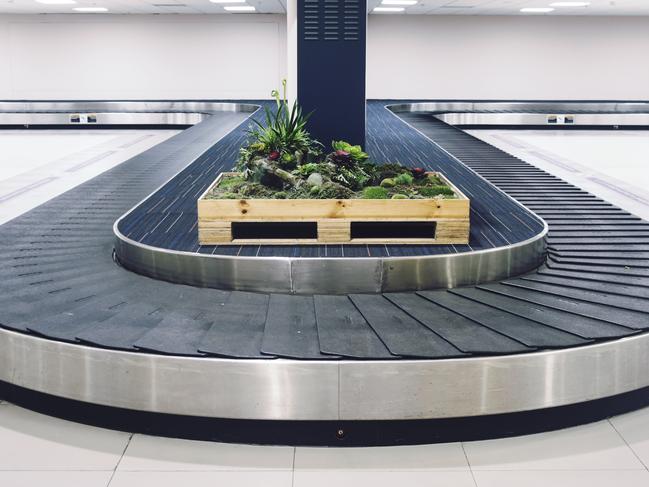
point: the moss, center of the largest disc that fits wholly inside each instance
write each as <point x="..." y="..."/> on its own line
<point x="434" y="180"/>
<point x="404" y="179"/>
<point x="375" y="193"/>
<point x="281" y="195"/>
<point x="331" y="190"/>
<point x="229" y="182"/>
<point x="399" y="196"/>
<point x="432" y="191"/>
<point x="384" y="171"/>
<point x="388" y="183"/>
<point x="256" y="190"/>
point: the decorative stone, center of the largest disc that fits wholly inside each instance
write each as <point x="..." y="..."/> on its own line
<point x="315" y="179"/>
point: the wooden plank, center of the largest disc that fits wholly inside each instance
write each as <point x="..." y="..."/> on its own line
<point x="333" y="217"/>
<point x="308" y="209"/>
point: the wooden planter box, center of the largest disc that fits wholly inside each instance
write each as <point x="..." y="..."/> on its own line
<point x="318" y="221"/>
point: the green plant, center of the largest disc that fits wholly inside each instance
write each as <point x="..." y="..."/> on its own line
<point x="284" y="129"/>
<point x="399" y="196"/>
<point x="405" y="179"/>
<point x="435" y="180"/>
<point x="307" y="169"/>
<point x="431" y="191"/>
<point x="230" y="182"/>
<point x="355" y="151"/>
<point x="331" y="190"/>
<point x="375" y="193"/>
<point x="388" y="183"/>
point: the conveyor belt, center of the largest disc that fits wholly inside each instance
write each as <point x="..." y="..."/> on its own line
<point x="59" y="281"/>
<point x="167" y="219"/>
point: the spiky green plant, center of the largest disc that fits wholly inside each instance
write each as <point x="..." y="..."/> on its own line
<point x="284" y="128"/>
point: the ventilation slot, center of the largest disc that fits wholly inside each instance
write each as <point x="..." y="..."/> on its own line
<point x="274" y="230"/>
<point x="397" y="230"/>
<point x="331" y="20"/>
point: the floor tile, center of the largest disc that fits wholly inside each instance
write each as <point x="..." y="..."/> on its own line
<point x="203" y="479"/>
<point x="591" y="447"/>
<point x="31" y="441"/>
<point x="425" y="457"/>
<point x="154" y="453"/>
<point x="55" y="479"/>
<point x="583" y="478"/>
<point x="355" y="478"/>
<point x="634" y="428"/>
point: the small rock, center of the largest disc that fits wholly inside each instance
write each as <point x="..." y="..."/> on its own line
<point x="315" y="179"/>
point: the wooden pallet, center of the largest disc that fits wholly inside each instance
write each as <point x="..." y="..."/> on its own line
<point x="350" y="221"/>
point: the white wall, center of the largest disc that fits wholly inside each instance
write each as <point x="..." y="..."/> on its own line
<point x="491" y="57"/>
<point x="141" y="57"/>
<point x="244" y="56"/>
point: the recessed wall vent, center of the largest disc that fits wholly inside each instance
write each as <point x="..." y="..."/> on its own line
<point x="331" y="20"/>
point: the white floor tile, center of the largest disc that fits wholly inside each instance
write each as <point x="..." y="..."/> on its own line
<point x="634" y="428"/>
<point x="591" y="447"/>
<point x="202" y="479"/>
<point x="55" y="479"/>
<point x="621" y="478"/>
<point x="153" y="453"/>
<point x="347" y="478"/>
<point x="31" y="441"/>
<point x="425" y="457"/>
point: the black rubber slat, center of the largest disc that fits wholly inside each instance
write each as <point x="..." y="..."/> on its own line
<point x="530" y="333"/>
<point x="176" y="334"/>
<point x="291" y="329"/>
<point x="66" y="325"/>
<point x="238" y="327"/>
<point x="401" y="333"/>
<point x="463" y="333"/>
<point x="576" y="302"/>
<point x="343" y="331"/>
<point x="577" y="324"/>
<point x="586" y="282"/>
<point x="132" y="321"/>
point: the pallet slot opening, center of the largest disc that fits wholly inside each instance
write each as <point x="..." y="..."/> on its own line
<point x="396" y="230"/>
<point x="274" y="230"/>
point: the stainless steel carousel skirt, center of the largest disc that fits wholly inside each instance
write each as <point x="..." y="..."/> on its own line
<point x="332" y="275"/>
<point x="338" y="402"/>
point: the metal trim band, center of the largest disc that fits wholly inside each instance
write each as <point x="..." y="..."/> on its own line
<point x="323" y="390"/>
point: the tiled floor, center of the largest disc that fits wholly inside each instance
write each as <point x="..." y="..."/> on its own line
<point x="37" y="450"/>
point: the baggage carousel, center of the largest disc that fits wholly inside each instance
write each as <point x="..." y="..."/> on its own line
<point x="113" y="314"/>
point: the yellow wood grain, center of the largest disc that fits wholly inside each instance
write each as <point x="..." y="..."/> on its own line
<point x="333" y="217"/>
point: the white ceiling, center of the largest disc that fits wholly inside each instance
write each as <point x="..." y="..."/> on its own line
<point x="432" y="7"/>
<point x="512" y="7"/>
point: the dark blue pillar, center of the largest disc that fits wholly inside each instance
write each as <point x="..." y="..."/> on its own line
<point x="331" y="53"/>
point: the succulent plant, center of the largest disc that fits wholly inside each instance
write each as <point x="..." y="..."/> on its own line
<point x="418" y="172"/>
<point x="388" y="183"/>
